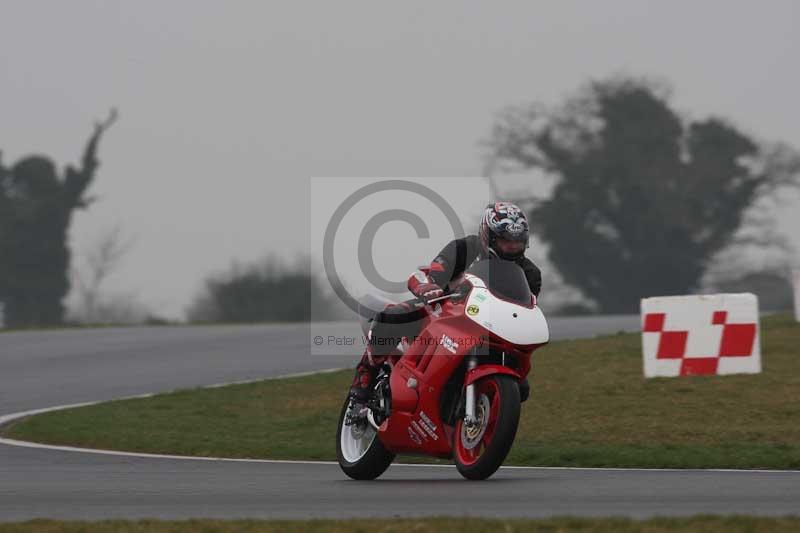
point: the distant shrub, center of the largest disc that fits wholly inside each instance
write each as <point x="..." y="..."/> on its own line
<point x="268" y="291"/>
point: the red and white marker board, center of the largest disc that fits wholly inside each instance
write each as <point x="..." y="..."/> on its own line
<point x="710" y="334"/>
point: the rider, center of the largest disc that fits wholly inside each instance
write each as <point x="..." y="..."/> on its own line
<point x="503" y="234"/>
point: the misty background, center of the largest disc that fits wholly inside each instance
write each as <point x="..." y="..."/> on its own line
<point x="226" y="111"/>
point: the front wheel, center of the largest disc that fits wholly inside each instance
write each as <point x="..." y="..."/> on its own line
<point x="481" y="449"/>
<point x="360" y="453"/>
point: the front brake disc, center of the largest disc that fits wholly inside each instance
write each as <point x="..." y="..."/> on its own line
<point x="471" y="437"/>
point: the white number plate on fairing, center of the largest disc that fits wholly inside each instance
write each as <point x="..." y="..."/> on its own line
<point x="511" y="322"/>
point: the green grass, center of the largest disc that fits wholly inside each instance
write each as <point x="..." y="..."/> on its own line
<point x="589" y="406"/>
<point x="707" y="524"/>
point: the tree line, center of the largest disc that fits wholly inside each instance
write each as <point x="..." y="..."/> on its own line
<point x="643" y="200"/>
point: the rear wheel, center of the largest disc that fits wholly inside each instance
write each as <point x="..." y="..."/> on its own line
<point x="482" y="448"/>
<point x="360" y="453"/>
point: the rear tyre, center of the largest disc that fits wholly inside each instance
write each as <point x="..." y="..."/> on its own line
<point x="360" y="453"/>
<point x="479" y="451"/>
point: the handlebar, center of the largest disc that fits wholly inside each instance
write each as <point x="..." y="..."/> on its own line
<point x="460" y="293"/>
<point x="440" y="298"/>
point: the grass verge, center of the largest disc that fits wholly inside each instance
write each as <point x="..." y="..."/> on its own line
<point x="708" y="524"/>
<point x="589" y="407"/>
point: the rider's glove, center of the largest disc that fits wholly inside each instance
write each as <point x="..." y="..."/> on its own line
<point x="427" y="291"/>
<point x="422" y="286"/>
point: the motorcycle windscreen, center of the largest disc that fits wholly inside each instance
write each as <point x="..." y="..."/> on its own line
<point x="500" y="301"/>
<point x="504" y="278"/>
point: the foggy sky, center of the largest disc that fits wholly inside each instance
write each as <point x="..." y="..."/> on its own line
<point x="227" y="108"/>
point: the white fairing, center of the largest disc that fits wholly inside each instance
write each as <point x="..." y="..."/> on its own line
<point x="509" y="321"/>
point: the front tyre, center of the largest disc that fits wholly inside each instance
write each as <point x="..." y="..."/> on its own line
<point x="360" y="453"/>
<point x="480" y="450"/>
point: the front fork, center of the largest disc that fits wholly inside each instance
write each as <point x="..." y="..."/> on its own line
<point x="469" y="400"/>
<point x="381" y="404"/>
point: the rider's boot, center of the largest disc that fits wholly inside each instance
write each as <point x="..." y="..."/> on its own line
<point x="364" y="380"/>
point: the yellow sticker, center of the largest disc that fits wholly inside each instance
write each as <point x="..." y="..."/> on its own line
<point x="472" y="310"/>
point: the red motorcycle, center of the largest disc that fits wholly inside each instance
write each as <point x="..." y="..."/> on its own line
<point x="455" y="390"/>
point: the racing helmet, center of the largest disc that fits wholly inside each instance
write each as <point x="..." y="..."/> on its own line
<point x="504" y="231"/>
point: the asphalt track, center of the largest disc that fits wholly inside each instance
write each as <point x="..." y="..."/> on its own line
<point x="44" y="369"/>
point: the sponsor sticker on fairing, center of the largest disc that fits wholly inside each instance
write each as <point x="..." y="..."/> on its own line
<point x="449" y="344"/>
<point x="427" y="425"/>
<point x="418" y="430"/>
<point x="414" y="436"/>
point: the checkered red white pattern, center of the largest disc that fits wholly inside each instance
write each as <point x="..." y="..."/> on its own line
<point x="700" y="335"/>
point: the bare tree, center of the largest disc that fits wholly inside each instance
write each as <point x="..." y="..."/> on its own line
<point x="101" y="261"/>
